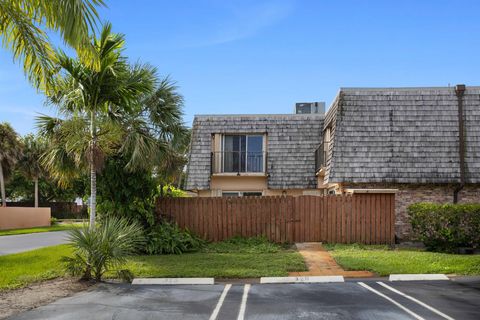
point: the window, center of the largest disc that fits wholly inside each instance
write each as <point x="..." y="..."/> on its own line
<point x="243" y="153"/>
<point x="241" y="194"/>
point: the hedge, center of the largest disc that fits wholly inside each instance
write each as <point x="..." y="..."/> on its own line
<point x="446" y="227"/>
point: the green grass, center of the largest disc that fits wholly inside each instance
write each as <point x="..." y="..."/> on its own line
<point x="56" y="227"/>
<point x="218" y="265"/>
<point x="384" y="261"/>
<point x="234" y="258"/>
<point x="20" y="269"/>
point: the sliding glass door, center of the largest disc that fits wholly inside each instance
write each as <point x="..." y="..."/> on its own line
<point x="243" y="153"/>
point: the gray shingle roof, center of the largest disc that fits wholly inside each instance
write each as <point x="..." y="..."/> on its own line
<point x="291" y="143"/>
<point x="405" y="135"/>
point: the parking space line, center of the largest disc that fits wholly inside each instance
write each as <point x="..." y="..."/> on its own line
<point x="410" y="312"/>
<point x="415" y="300"/>
<point x="243" y="305"/>
<point x="220" y="302"/>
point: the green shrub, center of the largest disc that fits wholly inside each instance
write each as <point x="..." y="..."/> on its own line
<point x="170" y="191"/>
<point x="104" y="248"/>
<point x="53" y="221"/>
<point x="168" y="238"/>
<point x="446" y="227"/>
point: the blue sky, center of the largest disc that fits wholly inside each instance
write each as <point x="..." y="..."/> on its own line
<point x="254" y="56"/>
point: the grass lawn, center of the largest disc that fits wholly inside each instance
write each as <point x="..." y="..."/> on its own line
<point x="57" y="227"/>
<point x="385" y="261"/>
<point x="20" y="269"/>
<point x="236" y="258"/>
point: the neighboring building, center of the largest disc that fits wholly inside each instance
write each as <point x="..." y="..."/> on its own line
<point x="254" y="154"/>
<point x="376" y="138"/>
<point x="407" y="139"/>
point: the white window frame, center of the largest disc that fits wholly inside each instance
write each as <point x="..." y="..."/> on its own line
<point x="240" y="193"/>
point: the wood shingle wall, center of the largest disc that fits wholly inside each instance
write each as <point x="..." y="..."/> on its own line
<point x="291" y="143"/>
<point x="404" y="135"/>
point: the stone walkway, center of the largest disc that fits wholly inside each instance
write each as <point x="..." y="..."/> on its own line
<point x="321" y="263"/>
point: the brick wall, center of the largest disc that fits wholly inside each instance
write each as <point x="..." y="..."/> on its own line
<point x="411" y="193"/>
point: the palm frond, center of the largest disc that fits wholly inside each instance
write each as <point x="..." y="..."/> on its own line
<point x="21" y="23"/>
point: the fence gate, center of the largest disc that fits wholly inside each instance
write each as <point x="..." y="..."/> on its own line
<point x="367" y="218"/>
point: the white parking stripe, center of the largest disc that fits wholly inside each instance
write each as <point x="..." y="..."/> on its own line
<point x="415" y="300"/>
<point x="410" y="312"/>
<point x="220" y="302"/>
<point x="243" y="305"/>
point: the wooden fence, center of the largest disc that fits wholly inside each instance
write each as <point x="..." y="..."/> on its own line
<point x="367" y="218"/>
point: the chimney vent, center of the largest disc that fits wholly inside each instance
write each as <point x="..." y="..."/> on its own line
<point x="310" y="107"/>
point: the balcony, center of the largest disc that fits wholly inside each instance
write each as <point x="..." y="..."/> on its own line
<point x="238" y="162"/>
<point x="321" y="157"/>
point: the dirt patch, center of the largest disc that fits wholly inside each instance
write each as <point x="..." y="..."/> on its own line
<point x="38" y="294"/>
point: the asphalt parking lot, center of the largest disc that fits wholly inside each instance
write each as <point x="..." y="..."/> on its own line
<point x="369" y="299"/>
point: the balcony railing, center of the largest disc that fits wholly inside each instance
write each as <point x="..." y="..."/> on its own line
<point x="238" y="162"/>
<point x="321" y="156"/>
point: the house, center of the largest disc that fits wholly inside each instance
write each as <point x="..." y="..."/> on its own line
<point x="402" y="139"/>
<point x="254" y="155"/>
<point x="406" y="139"/>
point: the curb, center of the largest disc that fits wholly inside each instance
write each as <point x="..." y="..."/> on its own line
<point x="173" y="281"/>
<point x="306" y="279"/>
<point x="417" y="277"/>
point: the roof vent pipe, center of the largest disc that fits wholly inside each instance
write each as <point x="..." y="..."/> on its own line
<point x="459" y="91"/>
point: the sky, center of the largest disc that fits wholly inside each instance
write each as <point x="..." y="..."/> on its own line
<point x="262" y="56"/>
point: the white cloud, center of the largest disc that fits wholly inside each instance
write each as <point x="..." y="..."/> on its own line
<point x="245" y="22"/>
<point x="229" y="21"/>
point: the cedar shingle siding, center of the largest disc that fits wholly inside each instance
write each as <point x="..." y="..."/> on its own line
<point x="291" y="143"/>
<point x="403" y="135"/>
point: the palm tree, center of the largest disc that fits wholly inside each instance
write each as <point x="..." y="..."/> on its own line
<point x="24" y="25"/>
<point x="93" y="102"/>
<point x="30" y="163"/>
<point x="10" y="152"/>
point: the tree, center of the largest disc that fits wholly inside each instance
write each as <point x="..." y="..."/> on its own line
<point x="30" y="163"/>
<point x="154" y="140"/>
<point x="162" y="113"/>
<point x="94" y="103"/>
<point x="24" y="25"/>
<point x="10" y="152"/>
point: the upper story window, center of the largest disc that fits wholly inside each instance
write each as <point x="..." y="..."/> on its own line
<point x="322" y="150"/>
<point x="239" y="153"/>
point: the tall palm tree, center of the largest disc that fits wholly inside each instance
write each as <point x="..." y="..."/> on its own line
<point x="93" y="102"/>
<point x="10" y="152"/>
<point x="24" y="25"/>
<point x="159" y="116"/>
<point x="30" y="163"/>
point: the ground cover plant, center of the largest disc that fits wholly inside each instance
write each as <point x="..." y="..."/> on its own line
<point x="168" y="238"/>
<point x="233" y="258"/>
<point x="384" y="260"/>
<point x="20" y="269"/>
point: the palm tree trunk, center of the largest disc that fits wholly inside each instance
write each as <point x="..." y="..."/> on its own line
<point x="36" y="192"/>
<point x="93" y="172"/>
<point x="2" y="187"/>
<point x="93" y="195"/>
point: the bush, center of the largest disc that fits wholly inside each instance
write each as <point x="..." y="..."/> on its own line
<point x="104" y="248"/>
<point x="168" y="238"/>
<point x="446" y="227"/>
